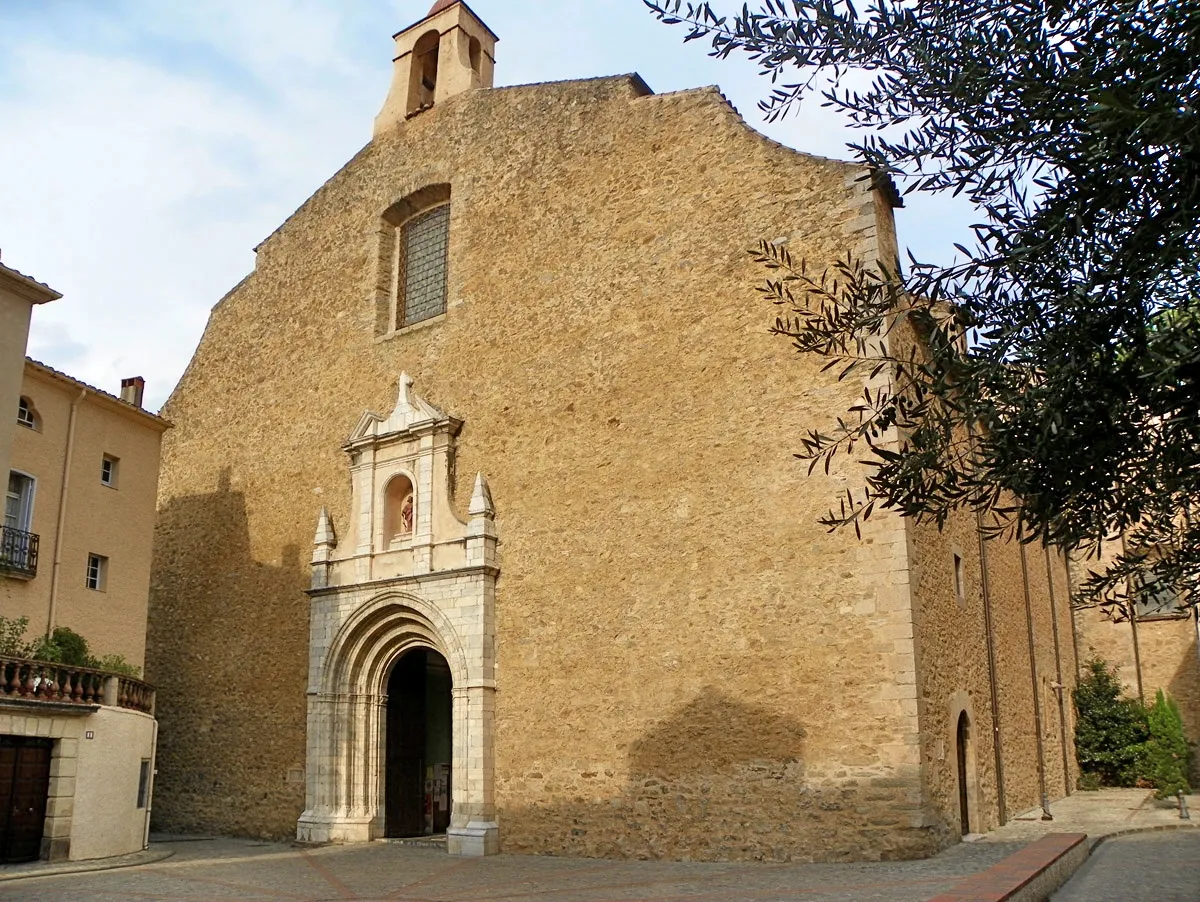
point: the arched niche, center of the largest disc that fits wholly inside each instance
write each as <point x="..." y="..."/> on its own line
<point x="399" y="510"/>
<point x="475" y="53"/>
<point x="424" y="70"/>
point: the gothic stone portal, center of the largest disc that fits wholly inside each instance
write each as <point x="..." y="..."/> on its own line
<point x="403" y="607"/>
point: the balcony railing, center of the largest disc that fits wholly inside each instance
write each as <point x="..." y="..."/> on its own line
<point x="18" y="553"/>
<point x="39" y="681"/>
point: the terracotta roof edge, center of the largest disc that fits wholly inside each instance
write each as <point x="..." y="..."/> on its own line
<point x="60" y="376"/>
<point x="27" y="286"/>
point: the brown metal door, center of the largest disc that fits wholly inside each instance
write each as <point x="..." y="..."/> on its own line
<point x="24" y="788"/>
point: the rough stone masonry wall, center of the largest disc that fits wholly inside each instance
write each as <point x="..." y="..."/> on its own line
<point x="954" y="671"/>
<point x="688" y="665"/>
<point x="953" y="659"/>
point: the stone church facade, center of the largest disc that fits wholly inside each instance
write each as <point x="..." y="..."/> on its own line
<point x="568" y="593"/>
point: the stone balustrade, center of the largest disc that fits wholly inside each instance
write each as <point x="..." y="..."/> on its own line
<point x="26" y="680"/>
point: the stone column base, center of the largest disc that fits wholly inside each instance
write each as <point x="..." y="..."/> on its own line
<point x="321" y="828"/>
<point x="475" y="840"/>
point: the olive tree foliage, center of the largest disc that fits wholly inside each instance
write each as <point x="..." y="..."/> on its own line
<point x="1057" y="359"/>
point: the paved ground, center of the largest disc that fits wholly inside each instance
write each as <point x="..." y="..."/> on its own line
<point x="1164" y="864"/>
<point x="231" y="869"/>
<point x="1100" y="813"/>
<point x="1144" y="867"/>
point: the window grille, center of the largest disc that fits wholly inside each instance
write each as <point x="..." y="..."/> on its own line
<point x="424" y="243"/>
<point x="1156" y="600"/>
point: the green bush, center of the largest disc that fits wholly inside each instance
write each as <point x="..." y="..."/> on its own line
<point x="72" y="647"/>
<point x="64" y="646"/>
<point x="116" y="664"/>
<point x="1111" y="730"/>
<point x="12" y="636"/>
<point x="1165" y="754"/>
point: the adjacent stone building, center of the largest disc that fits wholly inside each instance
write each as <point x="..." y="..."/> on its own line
<point x="568" y="593"/>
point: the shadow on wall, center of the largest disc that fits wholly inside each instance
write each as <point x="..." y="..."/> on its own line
<point x="227" y="649"/>
<point x="719" y="779"/>
<point x="1185" y="689"/>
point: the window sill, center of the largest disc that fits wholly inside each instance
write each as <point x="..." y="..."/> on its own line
<point x="1154" y="618"/>
<point x="415" y="327"/>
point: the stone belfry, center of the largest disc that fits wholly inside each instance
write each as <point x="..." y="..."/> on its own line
<point x="448" y="52"/>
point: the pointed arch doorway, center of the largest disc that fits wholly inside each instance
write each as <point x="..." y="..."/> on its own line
<point x="419" y="745"/>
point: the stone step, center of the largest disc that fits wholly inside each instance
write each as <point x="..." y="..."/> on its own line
<point x="419" y="842"/>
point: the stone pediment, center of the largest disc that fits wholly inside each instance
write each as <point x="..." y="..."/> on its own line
<point x="412" y="413"/>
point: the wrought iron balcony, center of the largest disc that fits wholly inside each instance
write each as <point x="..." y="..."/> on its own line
<point x="18" y="553"/>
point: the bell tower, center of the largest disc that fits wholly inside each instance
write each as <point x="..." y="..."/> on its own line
<point x="446" y="53"/>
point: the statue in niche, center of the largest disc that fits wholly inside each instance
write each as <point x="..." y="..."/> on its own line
<point x="406" y="515"/>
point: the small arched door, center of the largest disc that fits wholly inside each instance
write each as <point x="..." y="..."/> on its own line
<point x="965" y="764"/>
<point x="419" y="745"/>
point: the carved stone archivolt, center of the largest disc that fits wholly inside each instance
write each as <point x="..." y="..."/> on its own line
<point x="407" y="574"/>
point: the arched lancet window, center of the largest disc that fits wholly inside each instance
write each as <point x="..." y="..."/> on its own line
<point x="399" y="510"/>
<point x="421" y="252"/>
<point x="414" y="252"/>
<point x="27" y="416"/>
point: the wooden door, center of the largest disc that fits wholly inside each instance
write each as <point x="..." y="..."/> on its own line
<point x="962" y="742"/>
<point x="24" y="788"/>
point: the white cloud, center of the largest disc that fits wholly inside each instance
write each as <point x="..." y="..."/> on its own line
<point x="146" y="150"/>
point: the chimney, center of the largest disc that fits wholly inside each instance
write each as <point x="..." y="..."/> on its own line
<point x="132" y="390"/>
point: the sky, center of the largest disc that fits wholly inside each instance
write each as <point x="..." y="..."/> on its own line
<point x="146" y="146"/>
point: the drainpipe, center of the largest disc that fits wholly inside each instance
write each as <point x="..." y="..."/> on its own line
<point x="1196" y="619"/>
<point x="1131" y="610"/>
<point x="1061" y="688"/>
<point x="1033" y="681"/>
<point x="1074" y="626"/>
<point x="997" y="750"/>
<point x="150" y="786"/>
<point x="62" y="512"/>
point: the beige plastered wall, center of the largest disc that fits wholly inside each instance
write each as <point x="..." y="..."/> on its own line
<point x="92" y="810"/>
<point x="688" y="665"/>
<point x="114" y="522"/>
<point x="14" y="333"/>
<point x="106" y="783"/>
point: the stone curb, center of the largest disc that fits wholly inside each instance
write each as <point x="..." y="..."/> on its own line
<point x="1011" y="881"/>
<point x="1094" y="841"/>
<point x="1032" y="874"/>
<point x="52" y="869"/>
